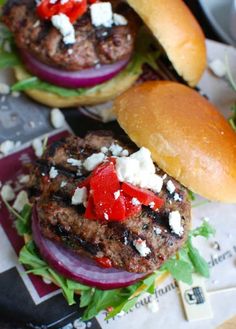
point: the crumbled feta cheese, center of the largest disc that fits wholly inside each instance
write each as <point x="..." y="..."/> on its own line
<point x="47" y="281"/>
<point x="124" y="153"/>
<point x="141" y="246"/>
<point x="53" y="173"/>
<point x="218" y="67"/>
<point x="138" y="169"/>
<point x="7" y="46"/>
<point x="104" y="149"/>
<point x="157" y="230"/>
<point x="7" y="193"/>
<point x="4" y="88"/>
<point x="63" y="183"/>
<point x="143" y="155"/>
<point x="57" y="118"/>
<point x="151" y="181"/>
<point x="117" y="194"/>
<point x="38" y="147"/>
<point x="175" y="222"/>
<point x="74" y="162"/>
<point x="170" y="186"/>
<point x="93" y="161"/>
<point x="153" y="306"/>
<point x="115" y="149"/>
<point x="80" y="196"/>
<point x="127" y="169"/>
<point x="135" y="202"/>
<point x="24" y="179"/>
<point x="15" y="94"/>
<point x="119" y="19"/>
<point x="101" y="14"/>
<point x="79" y="324"/>
<point x="106" y="216"/>
<point x="21" y="201"/>
<point x="177" y="197"/>
<point x="63" y="24"/>
<point x="6" y="147"/>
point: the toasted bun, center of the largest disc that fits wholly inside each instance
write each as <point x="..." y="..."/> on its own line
<point x="187" y="136"/>
<point x="102" y="94"/>
<point x="178" y="32"/>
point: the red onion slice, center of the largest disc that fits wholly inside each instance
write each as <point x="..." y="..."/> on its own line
<point x="72" y="79"/>
<point x="79" y="268"/>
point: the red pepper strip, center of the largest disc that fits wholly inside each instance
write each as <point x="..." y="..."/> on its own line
<point x="104" y="183"/>
<point x="144" y="196"/>
<point x="72" y="8"/>
<point x="103" y="262"/>
<point x="90" y="209"/>
<point x="77" y="11"/>
<point x="130" y="208"/>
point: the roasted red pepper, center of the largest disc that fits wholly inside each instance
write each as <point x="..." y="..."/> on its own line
<point x="104" y="183"/>
<point x="72" y="8"/>
<point x="103" y="262"/>
<point x="111" y="200"/>
<point x="90" y="209"/>
<point x="144" y="196"/>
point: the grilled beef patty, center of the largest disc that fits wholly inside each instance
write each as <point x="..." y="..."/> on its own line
<point x="62" y="222"/>
<point x="93" y="46"/>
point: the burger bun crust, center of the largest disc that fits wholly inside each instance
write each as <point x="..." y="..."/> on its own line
<point x="186" y="134"/>
<point x="176" y="29"/>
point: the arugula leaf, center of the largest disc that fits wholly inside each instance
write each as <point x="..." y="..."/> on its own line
<point x="8" y="59"/>
<point x="191" y="196"/>
<point x="23" y="223"/>
<point x="232" y="119"/>
<point x="199" y="263"/>
<point x="179" y="269"/>
<point x="29" y="256"/>
<point x="205" y="230"/>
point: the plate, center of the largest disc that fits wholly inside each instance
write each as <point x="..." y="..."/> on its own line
<point x="218" y="13"/>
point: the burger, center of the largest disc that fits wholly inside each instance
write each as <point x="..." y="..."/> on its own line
<point x="68" y="53"/>
<point x="111" y="214"/>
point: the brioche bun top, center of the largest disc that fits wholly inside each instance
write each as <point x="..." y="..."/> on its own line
<point x="187" y="136"/>
<point x="178" y="32"/>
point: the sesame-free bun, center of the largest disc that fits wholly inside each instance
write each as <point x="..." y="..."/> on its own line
<point x="176" y="29"/>
<point x="187" y="136"/>
<point x="107" y="92"/>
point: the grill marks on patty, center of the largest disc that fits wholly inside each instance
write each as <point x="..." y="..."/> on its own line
<point x="93" y="45"/>
<point x="64" y="223"/>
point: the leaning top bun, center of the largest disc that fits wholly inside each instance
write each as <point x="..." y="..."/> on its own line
<point x="187" y="136"/>
<point x="178" y="32"/>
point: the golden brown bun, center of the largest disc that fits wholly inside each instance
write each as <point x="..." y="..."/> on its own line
<point x="187" y="136"/>
<point x="109" y="91"/>
<point x="178" y="32"/>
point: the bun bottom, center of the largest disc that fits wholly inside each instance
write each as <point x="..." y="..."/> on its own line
<point x="106" y="92"/>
